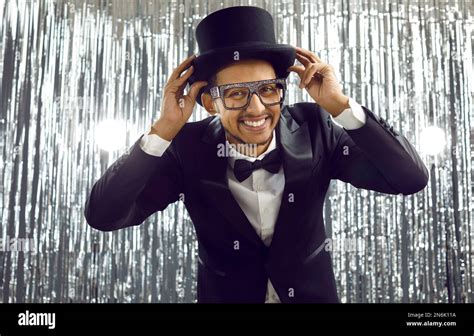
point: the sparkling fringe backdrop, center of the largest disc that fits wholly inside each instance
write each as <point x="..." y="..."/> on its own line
<point x="74" y="72"/>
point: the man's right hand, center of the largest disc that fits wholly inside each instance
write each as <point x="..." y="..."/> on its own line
<point x="176" y="108"/>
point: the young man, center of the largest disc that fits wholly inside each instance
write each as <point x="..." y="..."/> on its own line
<point x="256" y="207"/>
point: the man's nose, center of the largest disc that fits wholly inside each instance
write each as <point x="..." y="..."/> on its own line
<point x="255" y="104"/>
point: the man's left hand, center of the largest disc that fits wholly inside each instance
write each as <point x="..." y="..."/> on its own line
<point x="320" y="82"/>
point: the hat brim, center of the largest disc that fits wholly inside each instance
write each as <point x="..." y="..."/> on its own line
<point x="281" y="56"/>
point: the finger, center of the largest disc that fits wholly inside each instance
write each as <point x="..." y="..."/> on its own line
<point x="299" y="69"/>
<point x="183" y="66"/>
<point x="179" y="84"/>
<point x="323" y="69"/>
<point x="308" y="75"/>
<point x="177" y="91"/>
<point x="309" y="55"/>
<point x="316" y="72"/>
<point x="184" y="77"/>
<point x="195" y="88"/>
<point x="319" y="71"/>
<point x="303" y="60"/>
<point x="317" y="58"/>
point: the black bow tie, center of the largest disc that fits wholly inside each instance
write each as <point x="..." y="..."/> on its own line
<point x="244" y="168"/>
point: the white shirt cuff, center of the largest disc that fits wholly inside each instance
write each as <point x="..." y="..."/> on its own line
<point x="351" y="118"/>
<point x="153" y="144"/>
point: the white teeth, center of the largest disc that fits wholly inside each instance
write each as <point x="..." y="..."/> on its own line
<point x="254" y="123"/>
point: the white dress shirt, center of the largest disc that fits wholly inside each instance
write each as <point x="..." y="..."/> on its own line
<point x="259" y="196"/>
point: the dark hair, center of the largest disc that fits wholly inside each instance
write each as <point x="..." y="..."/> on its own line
<point x="212" y="81"/>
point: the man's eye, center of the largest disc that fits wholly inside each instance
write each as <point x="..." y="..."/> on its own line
<point x="267" y="89"/>
<point x="237" y="93"/>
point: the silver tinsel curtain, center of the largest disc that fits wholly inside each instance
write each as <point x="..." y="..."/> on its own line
<point x="82" y="80"/>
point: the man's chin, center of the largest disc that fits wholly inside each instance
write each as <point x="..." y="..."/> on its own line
<point x="258" y="139"/>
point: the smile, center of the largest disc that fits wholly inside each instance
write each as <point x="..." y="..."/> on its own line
<point x="255" y="124"/>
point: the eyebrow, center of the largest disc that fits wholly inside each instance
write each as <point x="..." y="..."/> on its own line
<point x="261" y="80"/>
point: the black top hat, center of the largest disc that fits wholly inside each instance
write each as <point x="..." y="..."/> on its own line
<point x="244" y="29"/>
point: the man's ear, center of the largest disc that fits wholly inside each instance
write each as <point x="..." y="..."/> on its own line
<point x="208" y="103"/>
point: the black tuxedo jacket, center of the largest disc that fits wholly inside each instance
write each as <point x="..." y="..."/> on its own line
<point x="314" y="151"/>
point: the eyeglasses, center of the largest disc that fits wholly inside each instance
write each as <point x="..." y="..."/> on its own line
<point x="236" y="96"/>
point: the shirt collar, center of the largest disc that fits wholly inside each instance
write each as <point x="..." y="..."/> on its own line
<point x="235" y="155"/>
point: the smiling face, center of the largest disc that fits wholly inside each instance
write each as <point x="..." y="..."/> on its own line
<point x="255" y="124"/>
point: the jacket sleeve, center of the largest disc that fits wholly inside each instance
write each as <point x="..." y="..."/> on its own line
<point x="132" y="188"/>
<point x="375" y="157"/>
